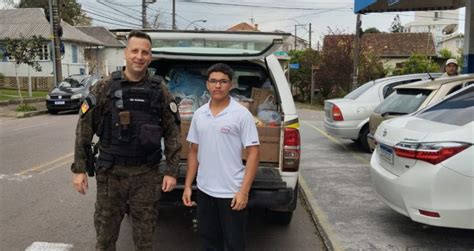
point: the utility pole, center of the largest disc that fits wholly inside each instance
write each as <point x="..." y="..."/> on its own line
<point x="295" y="36"/>
<point x="55" y="41"/>
<point x="355" y="72"/>
<point x="310" y="47"/>
<point x="174" y="15"/>
<point x="144" y="23"/>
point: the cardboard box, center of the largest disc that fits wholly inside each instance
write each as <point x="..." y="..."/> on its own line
<point x="185" y="124"/>
<point x="258" y="95"/>
<point x="269" y="142"/>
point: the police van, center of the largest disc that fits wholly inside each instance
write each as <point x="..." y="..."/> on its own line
<point x="183" y="57"/>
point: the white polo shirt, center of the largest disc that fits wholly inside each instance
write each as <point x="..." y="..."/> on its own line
<point x="220" y="139"/>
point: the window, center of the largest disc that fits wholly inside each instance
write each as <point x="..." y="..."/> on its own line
<point x="359" y="91"/>
<point x="404" y="101"/>
<point x="455" y="88"/>
<point x="456" y="110"/>
<point x="388" y="89"/>
<point x="74" y="53"/>
<point x="44" y="53"/>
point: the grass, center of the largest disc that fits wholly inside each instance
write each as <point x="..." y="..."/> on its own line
<point x="9" y="94"/>
<point x="25" y="108"/>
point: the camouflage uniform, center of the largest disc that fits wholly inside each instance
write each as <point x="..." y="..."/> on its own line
<point x="140" y="186"/>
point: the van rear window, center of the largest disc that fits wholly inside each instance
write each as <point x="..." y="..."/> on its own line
<point x="403" y="101"/>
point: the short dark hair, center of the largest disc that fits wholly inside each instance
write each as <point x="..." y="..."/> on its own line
<point x="139" y="34"/>
<point x="221" y="67"/>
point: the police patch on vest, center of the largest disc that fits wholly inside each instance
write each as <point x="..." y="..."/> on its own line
<point x="88" y="103"/>
<point x="84" y="107"/>
<point x="173" y="107"/>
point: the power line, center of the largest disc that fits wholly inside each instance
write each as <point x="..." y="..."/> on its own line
<point x="110" y="18"/>
<point x="119" y="11"/>
<point x="259" y="6"/>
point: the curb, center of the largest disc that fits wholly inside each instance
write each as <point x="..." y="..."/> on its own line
<point x="17" y="101"/>
<point x="30" y="114"/>
<point x="319" y="217"/>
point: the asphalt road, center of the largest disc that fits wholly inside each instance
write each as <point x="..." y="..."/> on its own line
<point x="40" y="209"/>
<point x="336" y="174"/>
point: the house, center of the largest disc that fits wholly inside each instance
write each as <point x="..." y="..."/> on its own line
<point x="244" y="27"/>
<point x="453" y="43"/>
<point x="392" y="48"/>
<point x="289" y="44"/>
<point x="439" y="23"/>
<point x="107" y="58"/>
<point x="27" y="22"/>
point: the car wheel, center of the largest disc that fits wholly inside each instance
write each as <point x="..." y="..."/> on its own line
<point x="53" y="111"/>
<point x="363" y="139"/>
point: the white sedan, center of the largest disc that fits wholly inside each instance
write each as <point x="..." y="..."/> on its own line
<point x="423" y="165"/>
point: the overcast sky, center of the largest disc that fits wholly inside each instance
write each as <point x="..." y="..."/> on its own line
<point x="222" y="14"/>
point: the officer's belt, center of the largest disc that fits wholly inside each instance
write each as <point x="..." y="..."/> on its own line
<point x="130" y="161"/>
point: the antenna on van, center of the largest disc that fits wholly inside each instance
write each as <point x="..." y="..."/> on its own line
<point x="431" y="77"/>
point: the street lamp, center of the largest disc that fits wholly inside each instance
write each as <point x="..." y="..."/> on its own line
<point x="200" y="20"/>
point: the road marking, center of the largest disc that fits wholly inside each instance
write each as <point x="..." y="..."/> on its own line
<point x="69" y="160"/>
<point x="38" y="168"/>
<point x="49" y="246"/>
<point x="357" y="156"/>
<point x="320" y="217"/>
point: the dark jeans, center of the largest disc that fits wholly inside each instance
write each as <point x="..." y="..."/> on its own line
<point x="220" y="227"/>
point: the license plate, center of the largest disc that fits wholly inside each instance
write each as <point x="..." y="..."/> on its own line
<point x="386" y="153"/>
<point x="59" y="102"/>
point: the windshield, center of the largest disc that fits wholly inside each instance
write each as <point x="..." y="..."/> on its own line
<point x="456" y="110"/>
<point x="73" y="82"/>
<point x="404" y="101"/>
<point x="359" y="91"/>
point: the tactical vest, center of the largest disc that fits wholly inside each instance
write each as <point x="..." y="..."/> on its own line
<point x="131" y="129"/>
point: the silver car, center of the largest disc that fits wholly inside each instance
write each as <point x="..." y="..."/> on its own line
<point x="348" y="117"/>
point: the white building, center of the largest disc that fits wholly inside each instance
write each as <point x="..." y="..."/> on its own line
<point x="439" y="23"/>
<point x="27" y="22"/>
<point x="107" y="58"/>
<point x="453" y="43"/>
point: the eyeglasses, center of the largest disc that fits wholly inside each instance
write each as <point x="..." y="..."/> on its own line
<point x="221" y="82"/>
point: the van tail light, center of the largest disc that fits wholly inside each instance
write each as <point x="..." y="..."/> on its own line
<point x="432" y="152"/>
<point x="429" y="213"/>
<point x="336" y="113"/>
<point x="291" y="150"/>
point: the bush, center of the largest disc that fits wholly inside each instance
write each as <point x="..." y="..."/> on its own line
<point x="25" y="108"/>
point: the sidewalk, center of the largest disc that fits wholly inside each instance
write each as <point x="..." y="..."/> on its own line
<point x="8" y="109"/>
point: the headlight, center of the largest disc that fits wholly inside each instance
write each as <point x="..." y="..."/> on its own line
<point x="48" y="97"/>
<point x="76" y="96"/>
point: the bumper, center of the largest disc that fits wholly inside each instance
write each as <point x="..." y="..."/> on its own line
<point x="342" y="129"/>
<point x="58" y="105"/>
<point x="426" y="187"/>
<point x="257" y="198"/>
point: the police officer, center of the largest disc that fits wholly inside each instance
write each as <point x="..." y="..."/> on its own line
<point x="130" y="113"/>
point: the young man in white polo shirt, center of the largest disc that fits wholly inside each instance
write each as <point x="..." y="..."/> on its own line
<point x="219" y="130"/>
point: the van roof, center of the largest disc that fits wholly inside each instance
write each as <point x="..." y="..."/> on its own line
<point x="435" y="84"/>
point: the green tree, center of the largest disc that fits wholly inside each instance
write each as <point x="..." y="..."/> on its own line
<point x="417" y="63"/>
<point x="301" y="78"/>
<point x="371" y="30"/>
<point x="445" y="54"/>
<point x="396" y="26"/>
<point x="69" y="10"/>
<point x="24" y="51"/>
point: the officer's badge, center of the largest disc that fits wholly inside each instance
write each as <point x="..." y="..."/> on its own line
<point x="173" y="107"/>
<point x="84" y="107"/>
<point x="88" y="103"/>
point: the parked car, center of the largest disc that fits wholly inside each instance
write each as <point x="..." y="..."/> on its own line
<point x="69" y="94"/>
<point x="422" y="166"/>
<point x="348" y="117"/>
<point x="412" y="97"/>
<point x="183" y="59"/>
